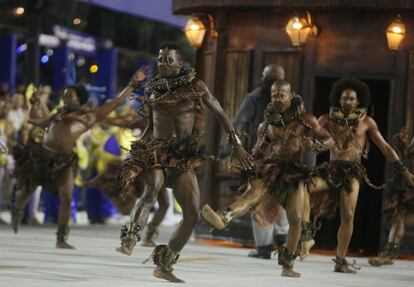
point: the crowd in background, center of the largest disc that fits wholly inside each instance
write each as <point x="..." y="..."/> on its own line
<point x="95" y="149"/>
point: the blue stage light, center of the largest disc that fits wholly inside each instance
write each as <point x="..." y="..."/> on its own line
<point x="21" y="48"/>
<point x="44" y="59"/>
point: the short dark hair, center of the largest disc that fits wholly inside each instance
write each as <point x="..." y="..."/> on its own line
<point x="361" y="89"/>
<point x="81" y="92"/>
<point x="171" y="46"/>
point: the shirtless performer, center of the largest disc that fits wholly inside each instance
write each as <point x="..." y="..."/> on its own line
<point x="279" y="175"/>
<point x="52" y="162"/>
<point x="172" y="99"/>
<point x="399" y="202"/>
<point x="340" y="178"/>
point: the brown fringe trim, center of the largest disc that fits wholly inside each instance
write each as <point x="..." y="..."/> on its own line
<point x="36" y="165"/>
<point x="174" y="156"/>
<point x="400" y="196"/>
<point x="108" y="182"/>
<point x="338" y="175"/>
<point x="281" y="177"/>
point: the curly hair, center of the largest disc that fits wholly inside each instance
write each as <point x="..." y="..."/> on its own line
<point x="361" y="89"/>
<point x="81" y="92"/>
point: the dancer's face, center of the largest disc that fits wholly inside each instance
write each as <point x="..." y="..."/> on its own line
<point x="169" y="63"/>
<point x="281" y="97"/>
<point x="70" y="98"/>
<point x="349" y="101"/>
<point x="37" y="134"/>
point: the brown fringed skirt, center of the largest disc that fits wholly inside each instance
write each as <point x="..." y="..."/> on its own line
<point x="174" y="156"/>
<point x="280" y="177"/>
<point x="108" y="183"/>
<point x="36" y="165"/>
<point x="400" y="196"/>
<point x="338" y="175"/>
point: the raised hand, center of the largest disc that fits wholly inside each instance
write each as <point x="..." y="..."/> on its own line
<point x="140" y="76"/>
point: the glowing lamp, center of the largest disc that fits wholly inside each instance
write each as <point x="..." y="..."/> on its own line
<point x="19" y="11"/>
<point x="298" y="30"/>
<point x="195" y="31"/>
<point x="395" y="34"/>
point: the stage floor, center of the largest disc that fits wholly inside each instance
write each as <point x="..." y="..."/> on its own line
<point x="30" y="259"/>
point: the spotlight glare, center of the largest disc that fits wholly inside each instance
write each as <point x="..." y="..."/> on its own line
<point x="19" y="11"/>
<point x="21" y="48"/>
<point x="76" y="21"/>
<point x="44" y="59"/>
<point x="93" y="69"/>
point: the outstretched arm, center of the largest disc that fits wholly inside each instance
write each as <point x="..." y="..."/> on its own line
<point x="388" y="151"/>
<point x="245" y="114"/>
<point x="137" y="79"/>
<point x="376" y="136"/>
<point x="214" y="106"/>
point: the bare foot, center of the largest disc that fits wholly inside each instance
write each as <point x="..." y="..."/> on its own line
<point x="342" y="266"/>
<point x="379" y="261"/>
<point x="286" y="272"/>
<point x="161" y="273"/>
<point x="127" y="247"/>
<point x="63" y="245"/>
<point x="212" y="217"/>
<point x="306" y="247"/>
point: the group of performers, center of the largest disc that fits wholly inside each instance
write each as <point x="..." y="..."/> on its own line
<point x="169" y="150"/>
<point x="280" y="178"/>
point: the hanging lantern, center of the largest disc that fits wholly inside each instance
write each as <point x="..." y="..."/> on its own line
<point x="298" y="30"/>
<point x="395" y="34"/>
<point x="195" y="31"/>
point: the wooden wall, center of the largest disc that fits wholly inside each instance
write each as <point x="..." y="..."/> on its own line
<point x="351" y="42"/>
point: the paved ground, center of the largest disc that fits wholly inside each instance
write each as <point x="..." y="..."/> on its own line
<point x="30" y="259"/>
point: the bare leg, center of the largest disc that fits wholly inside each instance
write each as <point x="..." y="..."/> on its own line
<point x="154" y="181"/>
<point x="65" y="188"/>
<point x="391" y="250"/>
<point x="398" y="228"/>
<point x="347" y="211"/>
<point x="316" y="184"/>
<point x="187" y="193"/>
<point x="22" y="198"/>
<point x="250" y="198"/>
<point x="163" y="204"/>
<point x="306" y="243"/>
<point x="294" y="212"/>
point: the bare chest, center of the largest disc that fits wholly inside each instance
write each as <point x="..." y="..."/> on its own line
<point x="66" y="128"/>
<point x="291" y="132"/>
<point x="348" y="137"/>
